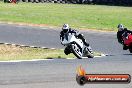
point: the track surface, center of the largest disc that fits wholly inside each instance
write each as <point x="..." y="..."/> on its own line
<point x="60" y="73"/>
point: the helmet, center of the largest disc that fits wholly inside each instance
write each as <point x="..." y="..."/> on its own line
<point x="120" y="27"/>
<point x="65" y="28"/>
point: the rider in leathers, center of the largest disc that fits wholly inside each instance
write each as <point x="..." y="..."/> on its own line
<point x="122" y="32"/>
<point x="65" y="30"/>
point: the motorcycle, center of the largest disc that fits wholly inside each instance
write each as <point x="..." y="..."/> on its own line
<point x="127" y="39"/>
<point x="76" y="46"/>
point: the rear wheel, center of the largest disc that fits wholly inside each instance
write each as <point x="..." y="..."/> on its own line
<point x="130" y="49"/>
<point x="76" y="51"/>
<point x="89" y="52"/>
<point x="90" y="55"/>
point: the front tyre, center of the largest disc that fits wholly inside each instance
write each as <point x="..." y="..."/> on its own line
<point x="76" y="51"/>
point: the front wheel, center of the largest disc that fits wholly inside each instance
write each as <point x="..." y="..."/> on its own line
<point x="76" y="51"/>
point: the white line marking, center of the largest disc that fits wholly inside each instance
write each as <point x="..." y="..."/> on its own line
<point x="13" y="44"/>
<point x="70" y="58"/>
<point x="32" y="46"/>
<point x="22" y="45"/>
<point x="102" y="55"/>
<point x="25" y="60"/>
<point x="7" y="43"/>
<point x="10" y="61"/>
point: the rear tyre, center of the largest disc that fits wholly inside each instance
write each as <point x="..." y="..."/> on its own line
<point x="130" y="49"/>
<point x="89" y="52"/>
<point x="90" y="55"/>
<point x="76" y="51"/>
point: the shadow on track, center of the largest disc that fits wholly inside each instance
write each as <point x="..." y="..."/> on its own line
<point x="128" y="54"/>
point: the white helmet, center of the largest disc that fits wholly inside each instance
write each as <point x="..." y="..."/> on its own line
<point x="120" y="27"/>
<point x="65" y="28"/>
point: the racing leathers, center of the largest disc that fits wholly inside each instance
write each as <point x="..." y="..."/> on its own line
<point x="77" y="35"/>
<point x="122" y="33"/>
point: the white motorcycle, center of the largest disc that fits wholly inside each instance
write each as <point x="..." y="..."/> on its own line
<point x="76" y="46"/>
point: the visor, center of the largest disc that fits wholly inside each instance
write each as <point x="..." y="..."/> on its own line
<point x="65" y="30"/>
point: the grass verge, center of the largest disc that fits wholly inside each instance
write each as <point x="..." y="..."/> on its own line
<point x="9" y="52"/>
<point x="79" y="16"/>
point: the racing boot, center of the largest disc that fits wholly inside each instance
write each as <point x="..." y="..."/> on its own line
<point x="125" y="47"/>
<point x="90" y="49"/>
<point x="83" y="39"/>
<point x="85" y="43"/>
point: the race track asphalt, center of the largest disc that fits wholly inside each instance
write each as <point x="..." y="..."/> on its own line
<point x="61" y="73"/>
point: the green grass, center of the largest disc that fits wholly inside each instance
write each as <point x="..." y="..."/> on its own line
<point x="8" y="52"/>
<point x="78" y="16"/>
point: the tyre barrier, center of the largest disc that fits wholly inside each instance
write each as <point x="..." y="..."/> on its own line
<point x="100" y="2"/>
<point x="20" y="45"/>
<point x="49" y="1"/>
